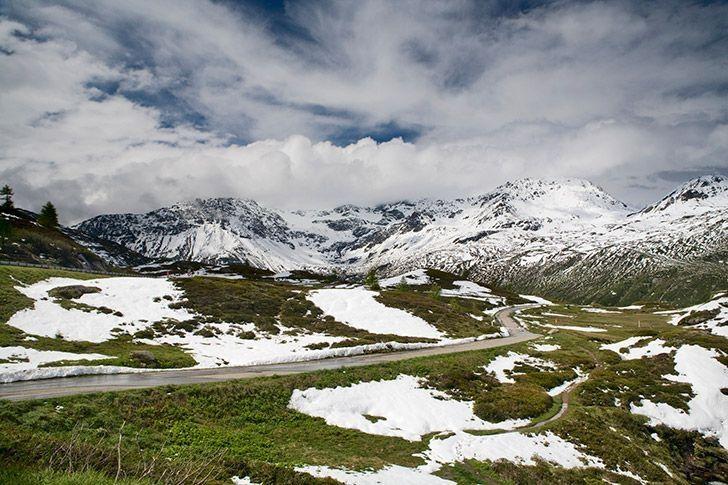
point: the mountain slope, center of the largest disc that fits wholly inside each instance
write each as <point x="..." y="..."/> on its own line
<point x="558" y="237"/>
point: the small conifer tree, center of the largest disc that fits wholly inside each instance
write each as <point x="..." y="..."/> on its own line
<point x="6" y="193"/>
<point x="48" y="216"/>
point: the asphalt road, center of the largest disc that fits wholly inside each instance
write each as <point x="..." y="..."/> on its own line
<point x="66" y="386"/>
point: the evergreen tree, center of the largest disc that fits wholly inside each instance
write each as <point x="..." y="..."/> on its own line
<point x="48" y="216"/>
<point x="371" y="280"/>
<point x="7" y="193"/>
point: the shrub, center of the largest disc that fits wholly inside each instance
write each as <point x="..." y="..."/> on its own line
<point x="512" y="401"/>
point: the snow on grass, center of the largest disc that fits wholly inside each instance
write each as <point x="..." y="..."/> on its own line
<point x="21" y="358"/>
<point x="560" y="315"/>
<point x="473" y="291"/>
<point x="358" y="308"/>
<point x="579" y="329"/>
<point x="545" y="347"/>
<point x="717" y="325"/>
<point x="133" y="298"/>
<point x="388" y="475"/>
<point x="708" y="409"/>
<point x="598" y="310"/>
<point x="515" y="447"/>
<point x="398" y="407"/>
<point x="242" y="481"/>
<point x="416" y="277"/>
<point x="654" y="347"/>
<point x="503" y="364"/>
<point x="581" y="377"/>
<point x="631" y="307"/>
<point x="537" y="299"/>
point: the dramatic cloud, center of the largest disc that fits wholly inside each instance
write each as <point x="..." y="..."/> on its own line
<point x="125" y="106"/>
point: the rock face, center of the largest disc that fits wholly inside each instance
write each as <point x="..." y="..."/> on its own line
<point x="558" y="237"/>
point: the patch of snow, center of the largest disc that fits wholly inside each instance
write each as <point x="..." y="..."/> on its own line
<point x="398" y="407"/>
<point x="133" y="297"/>
<point x="718" y="325"/>
<point x="243" y="481"/>
<point x="506" y="363"/>
<point x="515" y="447"/>
<point x="560" y="315"/>
<point x="545" y="347"/>
<point x="473" y="291"/>
<point x="388" y="475"/>
<point x="581" y="377"/>
<point x="598" y="310"/>
<point x="654" y="347"/>
<point x="579" y="329"/>
<point x="537" y="299"/>
<point x="22" y="358"/>
<point x="708" y="409"/>
<point x="358" y="308"/>
<point x="416" y="277"/>
<point x="631" y="307"/>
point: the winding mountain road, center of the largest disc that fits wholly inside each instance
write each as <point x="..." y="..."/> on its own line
<point x="67" y="386"/>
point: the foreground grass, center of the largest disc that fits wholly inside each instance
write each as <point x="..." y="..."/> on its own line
<point x="246" y="428"/>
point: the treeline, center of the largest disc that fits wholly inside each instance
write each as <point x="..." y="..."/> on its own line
<point x="47" y="217"/>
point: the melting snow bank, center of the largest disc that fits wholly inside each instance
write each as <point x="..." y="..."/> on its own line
<point x="136" y="302"/>
<point x="358" y="308"/>
<point x="506" y="363"/>
<point x="398" y="407"/>
<point x="66" y="371"/>
<point x="21" y="358"/>
<point x="654" y="347"/>
<point x="229" y="350"/>
<point x="708" y="410"/>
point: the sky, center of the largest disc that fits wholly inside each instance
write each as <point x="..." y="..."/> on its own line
<point x="111" y="106"/>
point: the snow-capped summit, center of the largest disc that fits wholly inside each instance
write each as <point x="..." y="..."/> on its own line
<point x="708" y="191"/>
<point x="547" y="236"/>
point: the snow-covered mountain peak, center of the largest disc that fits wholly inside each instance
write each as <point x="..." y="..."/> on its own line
<point x="548" y="201"/>
<point x="702" y="193"/>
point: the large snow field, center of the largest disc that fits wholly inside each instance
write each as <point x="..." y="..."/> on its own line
<point x="652" y="348"/>
<point x="398" y="407"/>
<point x="468" y="289"/>
<point x="358" y="308"/>
<point x="133" y="297"/>
<point x="502" y="366"/>
<point x="708" y="409"/>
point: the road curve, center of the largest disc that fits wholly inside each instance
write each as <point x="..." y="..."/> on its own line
<point x="66" y="386"/>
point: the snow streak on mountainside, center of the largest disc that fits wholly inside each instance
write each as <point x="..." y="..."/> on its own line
<point x="557" y="237"/>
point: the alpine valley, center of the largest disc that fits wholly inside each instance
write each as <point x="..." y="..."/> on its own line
<point x="564" y="239"/>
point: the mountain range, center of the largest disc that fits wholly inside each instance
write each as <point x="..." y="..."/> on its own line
<point x="560" y="238"/>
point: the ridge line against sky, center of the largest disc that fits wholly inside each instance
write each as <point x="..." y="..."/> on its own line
<point x="129" y="106"/>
